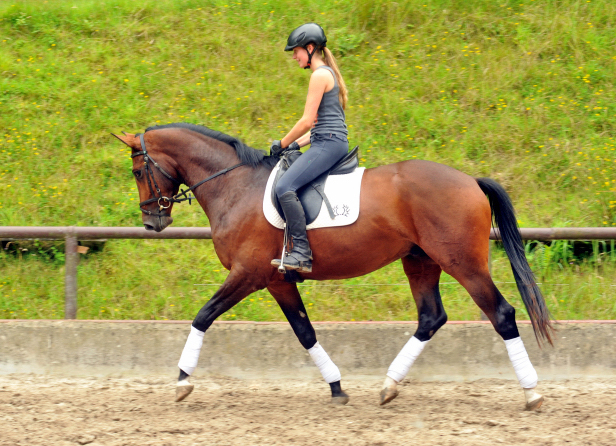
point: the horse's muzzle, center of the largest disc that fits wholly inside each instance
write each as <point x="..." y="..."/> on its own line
<point x="155" y="223"/>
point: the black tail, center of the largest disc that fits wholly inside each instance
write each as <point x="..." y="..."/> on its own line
<point x="504" y="217"/>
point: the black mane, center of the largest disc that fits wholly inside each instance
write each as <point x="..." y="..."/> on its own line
<point x="246" y="154"/>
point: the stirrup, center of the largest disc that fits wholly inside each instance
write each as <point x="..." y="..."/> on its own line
<point x="302" y="266"/>
<point x="279" y="262"/>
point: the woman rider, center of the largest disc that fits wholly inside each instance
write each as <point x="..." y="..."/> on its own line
<point x="324" y="119"/>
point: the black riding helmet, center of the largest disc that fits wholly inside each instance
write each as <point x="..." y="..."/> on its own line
<point x="305" y="34"/>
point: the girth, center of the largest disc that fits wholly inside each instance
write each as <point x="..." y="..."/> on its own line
<point x="313" y="195"/>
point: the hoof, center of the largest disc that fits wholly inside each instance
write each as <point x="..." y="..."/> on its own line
<point x="535" y="404"/>
<point x="390" y="390"/>
<point x="534" y="400"/>
<point x="387" y="395"/>
<point x="183" y="389"/>
<point x="340" y="399"/>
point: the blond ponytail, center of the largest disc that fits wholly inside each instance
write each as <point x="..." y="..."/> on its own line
<point x="330" y="60"/>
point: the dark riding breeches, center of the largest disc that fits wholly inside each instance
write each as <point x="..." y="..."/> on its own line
<point x="324" y="152"/>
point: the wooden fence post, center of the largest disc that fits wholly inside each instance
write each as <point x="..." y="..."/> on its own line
<point x="70" y="276"/>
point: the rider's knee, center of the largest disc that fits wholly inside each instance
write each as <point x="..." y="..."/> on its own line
<point x="281" y="188"/>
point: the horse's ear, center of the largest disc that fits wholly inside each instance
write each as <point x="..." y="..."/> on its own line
<point x="129" y="139"/>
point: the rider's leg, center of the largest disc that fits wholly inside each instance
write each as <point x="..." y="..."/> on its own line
<point x="300" y="257"/>
<point x="324" y="152"/>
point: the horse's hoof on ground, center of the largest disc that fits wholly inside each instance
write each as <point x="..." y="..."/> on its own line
<point x="387" y="395"/>
<point x="535" y="404"/>
<point x="340" y="399"/>
<point x="534" y="400"/>
<point x="183" y="389"/>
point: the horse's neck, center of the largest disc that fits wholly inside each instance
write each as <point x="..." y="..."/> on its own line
<point x="226" y="193"/>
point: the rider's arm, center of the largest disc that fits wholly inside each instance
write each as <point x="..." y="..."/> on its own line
<point x="316" y="88"/>
<point x="303" y="140"/>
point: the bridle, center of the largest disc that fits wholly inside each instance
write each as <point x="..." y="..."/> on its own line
<point x="165" y="202"/>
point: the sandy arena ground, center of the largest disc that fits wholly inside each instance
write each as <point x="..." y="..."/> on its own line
<point x="221" y="411"/>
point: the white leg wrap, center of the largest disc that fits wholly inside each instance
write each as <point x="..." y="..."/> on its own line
<point x="190" y="354"/>
<point x="524" y="370"/>
<point x="405" y="359"/>
<point x="326" y="366"/>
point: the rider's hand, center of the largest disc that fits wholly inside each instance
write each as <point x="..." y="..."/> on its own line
<point x="275" y="148"/>
<point x="293" y="146"/>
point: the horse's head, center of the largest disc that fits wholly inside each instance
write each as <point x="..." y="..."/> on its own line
<point x="157" y="180"/>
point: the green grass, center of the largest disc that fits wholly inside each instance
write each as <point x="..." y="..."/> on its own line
<point x="521" y="92"/>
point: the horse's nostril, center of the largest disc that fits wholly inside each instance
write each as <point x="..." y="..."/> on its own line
<point x="148" y="227"/>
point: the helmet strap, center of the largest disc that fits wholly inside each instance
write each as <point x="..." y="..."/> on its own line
<point x="309" y="55"/>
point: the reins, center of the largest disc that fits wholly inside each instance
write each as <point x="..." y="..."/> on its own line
<point x="165" y="202"/>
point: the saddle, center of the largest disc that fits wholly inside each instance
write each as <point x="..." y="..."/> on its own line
<point x="313" y="195"/>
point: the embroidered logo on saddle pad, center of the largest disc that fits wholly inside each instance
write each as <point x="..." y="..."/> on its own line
<point x="342" y="192"/>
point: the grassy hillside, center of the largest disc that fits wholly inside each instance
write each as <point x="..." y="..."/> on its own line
<point x="522" y="92"/>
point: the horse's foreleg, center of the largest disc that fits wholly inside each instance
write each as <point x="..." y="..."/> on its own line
<point x="290" y="301"/>
<point x="502" y="315"/>
<point x="423" y="275"/>
<point x="235" y="288"/>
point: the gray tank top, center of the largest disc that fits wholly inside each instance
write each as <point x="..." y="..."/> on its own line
<point x="330" y="115"/>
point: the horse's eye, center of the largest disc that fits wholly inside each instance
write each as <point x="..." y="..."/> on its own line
<point x="137" y="173"/>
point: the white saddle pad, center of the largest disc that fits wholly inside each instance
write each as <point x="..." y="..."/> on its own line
<point x="342" y="192"/>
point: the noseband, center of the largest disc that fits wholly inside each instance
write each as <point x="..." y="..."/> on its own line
<point x="165" y="202"/>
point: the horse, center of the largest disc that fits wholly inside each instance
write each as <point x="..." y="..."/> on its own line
<point x="430" y="216"/>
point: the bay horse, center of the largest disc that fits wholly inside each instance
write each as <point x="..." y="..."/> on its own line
<point x="430" y="216"/>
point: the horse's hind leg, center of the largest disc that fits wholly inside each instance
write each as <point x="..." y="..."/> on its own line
<point x="423" y="275"/>
<point x="290" y="301"/>
<point x="482" y="289"/>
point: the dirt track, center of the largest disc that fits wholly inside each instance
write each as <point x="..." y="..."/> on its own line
<point x="50" y="411"/>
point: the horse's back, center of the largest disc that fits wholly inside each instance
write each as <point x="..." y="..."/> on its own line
<point x="426" y="173"/>
<point x="427" y="196"/>
<point x="425" y="181"/>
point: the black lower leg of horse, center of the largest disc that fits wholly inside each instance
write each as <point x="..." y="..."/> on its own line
<point x="492" y="303"/>
<point x="235" y="288"/>
<point x="337" y="392"/>
<point x="290" y="301"/>
<point x="498" y="310"/>
<point x="502" y="315"/>
<point x="183" y="375"/>
<point x="423" y="275"/>
<point x="505" y="317"/>
<point x="291" y="304"/>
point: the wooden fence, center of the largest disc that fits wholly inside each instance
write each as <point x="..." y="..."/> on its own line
<point x="72" y="234"/>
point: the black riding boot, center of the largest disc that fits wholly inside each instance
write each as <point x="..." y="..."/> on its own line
<point x="300" y="256"/>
